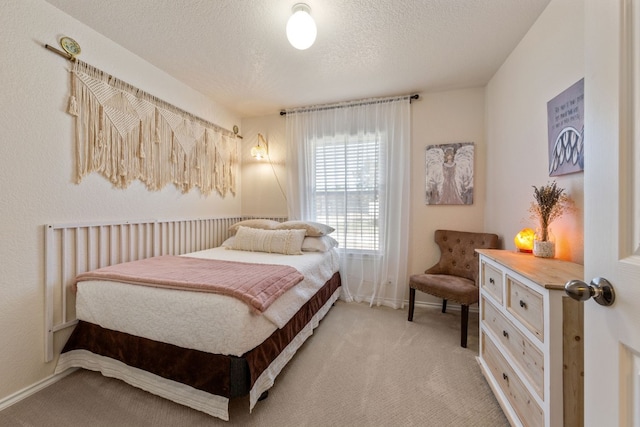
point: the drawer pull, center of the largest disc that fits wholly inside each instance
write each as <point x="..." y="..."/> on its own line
<point x="505" y="377"/>
<point x="505" y="334"/>
<point x="492" y="281"/>
<point x="523" y="304"/>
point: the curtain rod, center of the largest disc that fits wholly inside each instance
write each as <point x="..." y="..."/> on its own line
<point x="65" y="55"/>
<point x="72" y="58"/>
<point x="330" y="107"/>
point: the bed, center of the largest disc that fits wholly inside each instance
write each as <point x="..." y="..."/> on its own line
<point x="203" y="348"/>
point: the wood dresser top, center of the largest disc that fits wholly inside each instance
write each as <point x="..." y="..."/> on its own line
<point x="547" y="272"/>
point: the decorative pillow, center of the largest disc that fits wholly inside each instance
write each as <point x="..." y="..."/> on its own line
<point x="229" y="242"/>
<point x="319" y="244"/>
<point x="287" y="242"/>
<point x="264" y="224"/>
<point x="313" y="229"/>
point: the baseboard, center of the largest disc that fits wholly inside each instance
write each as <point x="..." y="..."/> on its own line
<point x="450" y="306"/>
<point x="32" y="389"/>
<point x="394" y="304"/>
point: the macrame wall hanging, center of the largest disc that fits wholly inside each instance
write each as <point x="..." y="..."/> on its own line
<point x="126" y="134"/>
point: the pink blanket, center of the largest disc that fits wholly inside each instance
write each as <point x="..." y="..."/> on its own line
<point x="258" y="285"/>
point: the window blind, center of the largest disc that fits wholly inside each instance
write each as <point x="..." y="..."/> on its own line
<point x="347" y="179"/>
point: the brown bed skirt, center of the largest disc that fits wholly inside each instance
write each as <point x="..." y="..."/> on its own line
<point x="227" y="376"/>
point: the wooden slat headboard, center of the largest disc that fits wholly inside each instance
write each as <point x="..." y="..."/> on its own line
<point x="71" y="249"/>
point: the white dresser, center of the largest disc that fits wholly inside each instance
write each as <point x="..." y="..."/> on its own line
<point x="531" y="349"/>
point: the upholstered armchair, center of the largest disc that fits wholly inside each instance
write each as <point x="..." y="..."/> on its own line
<point x="455" y="276"/>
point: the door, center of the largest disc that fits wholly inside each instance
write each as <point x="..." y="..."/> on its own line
<point x="612" y="211"/>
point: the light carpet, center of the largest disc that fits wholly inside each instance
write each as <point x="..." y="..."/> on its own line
<point x="362" y="367"/>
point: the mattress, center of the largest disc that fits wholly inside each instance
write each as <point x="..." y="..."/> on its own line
<point x="207" y="322"/>
<point x="200" y="380"/>
<point x="195" y="348"/>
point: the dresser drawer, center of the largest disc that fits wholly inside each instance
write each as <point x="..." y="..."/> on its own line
<point x="525" y="406"/>
<point x="492" y="281"/>
<point x="529" y="358"/>
<point x="526" y="305"/>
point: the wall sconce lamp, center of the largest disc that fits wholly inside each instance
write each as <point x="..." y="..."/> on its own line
<point x="259" y="151"/>
<point x="524" y="240"/>
<point x="301" y="28"/>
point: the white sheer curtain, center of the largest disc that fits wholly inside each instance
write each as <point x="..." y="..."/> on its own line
<point x="348" y="167"/>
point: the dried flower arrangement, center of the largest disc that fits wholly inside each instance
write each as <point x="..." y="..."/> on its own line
<point x="550" y="203"/>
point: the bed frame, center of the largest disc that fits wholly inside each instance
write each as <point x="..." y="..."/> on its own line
<point x="71" y="249"/>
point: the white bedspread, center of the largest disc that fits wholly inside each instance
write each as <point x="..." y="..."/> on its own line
<point x="203" y="321"/>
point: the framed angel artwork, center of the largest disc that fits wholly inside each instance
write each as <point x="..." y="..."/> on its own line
<point x="449" y="174"/>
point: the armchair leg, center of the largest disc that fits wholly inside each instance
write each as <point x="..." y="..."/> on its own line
<point x="444" y="305"/>
<point x="464" y="325"/>
<point x="412" y="301"/>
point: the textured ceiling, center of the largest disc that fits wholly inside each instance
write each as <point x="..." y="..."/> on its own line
<point x="236" y="51"/>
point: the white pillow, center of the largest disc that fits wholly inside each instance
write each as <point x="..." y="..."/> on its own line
<point x="229" y="242"/>
<point x="319" y="244"/>
<point x="287" y="242"/>
<point x="313" y="229"/>
<point x="265" y="224"/>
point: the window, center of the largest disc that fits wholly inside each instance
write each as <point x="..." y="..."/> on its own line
<point x="348" y="167"/>
<point x="347" y="178"/>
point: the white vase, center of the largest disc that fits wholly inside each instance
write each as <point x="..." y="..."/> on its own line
<point x="544" y="248"/>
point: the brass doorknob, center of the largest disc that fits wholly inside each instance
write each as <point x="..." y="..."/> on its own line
<point x="599" y="288"/>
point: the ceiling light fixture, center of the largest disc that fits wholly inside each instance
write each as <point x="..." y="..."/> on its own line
<point x="301" y="28"/>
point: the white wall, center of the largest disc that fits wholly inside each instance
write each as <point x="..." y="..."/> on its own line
<point x="36" y="169"/>
<point x="262" y="195"/>
<point x="440" y="118"/>
<point x="549" y="59"/>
